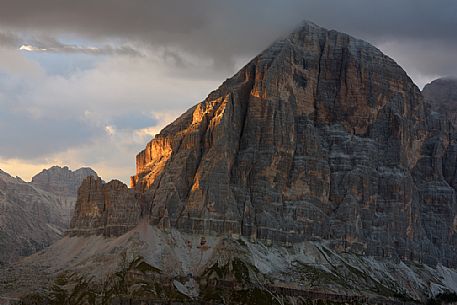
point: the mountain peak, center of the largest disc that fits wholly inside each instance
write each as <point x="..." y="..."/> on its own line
<point x="441" y="95"/>
<point x="61" y="180"/>
<point x="3" y="173"/>
<point x="318" y="157"/>
<point x="311" y="139"/>
<point x="35" y="214"/>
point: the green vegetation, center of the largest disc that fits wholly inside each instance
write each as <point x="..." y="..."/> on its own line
<point x="443" y="298"/>
<point x="135" y="279"/>
<point x="34" y="299"/>
<point x="240" y="270"/>
<point x="242" y="242"/>
<point x="316" y="276"/>
<point x="235" y="282"/>
<point x="254" y="296"/>
<point x="72" y="289"/>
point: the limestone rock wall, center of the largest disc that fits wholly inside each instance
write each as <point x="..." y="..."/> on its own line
<point x="320" y="137"/>
<point x="30" y="218"/>
<point x="35" y="214"/>
<point x="61" y="180"/>
<point x="441" y="94"/>
<point x="104" y="208"/>
<point x="64" y="183"/>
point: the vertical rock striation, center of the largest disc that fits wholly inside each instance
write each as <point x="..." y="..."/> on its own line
<point x="61" y="180"/>
<point x="34" y="215"/>
<point x="441" y="94"/>
<point x="64" y="183"/>
<point x="30" y="218"/>
<point x="104" y="208"/>
<point x="320" y="137"/>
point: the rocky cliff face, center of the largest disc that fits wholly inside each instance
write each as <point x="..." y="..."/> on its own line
<point x="318" y="129"/>
<point x="64" y="183"/>
<point x="61" y="180"/>
<point x="441" y="94"/>
<point x="30" y="218"/>
<point x="34" y="215"/>
<point x="105" y="208"/>
<point x="320" y="137"/>
<point x="307" y="169"/>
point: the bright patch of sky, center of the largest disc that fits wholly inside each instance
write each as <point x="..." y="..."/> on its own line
<point x="63" y="64"/>
<point x="81" y="109"/>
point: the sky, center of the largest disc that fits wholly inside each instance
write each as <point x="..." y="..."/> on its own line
<point x="89" y="83"/>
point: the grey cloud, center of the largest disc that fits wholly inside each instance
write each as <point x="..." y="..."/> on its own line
<point x="225" y="30"/>
<point x="174" y="58"/>
<point x="424" y="59"/>
<point x="9" y="40"/>
<point x="420" y="34"/>
<point x="51" y="114"/>
<point x="30" y="138"/>
<point x="55" y="46"/>
<point x="40" y="43"/>
<point x="134" y="121"/>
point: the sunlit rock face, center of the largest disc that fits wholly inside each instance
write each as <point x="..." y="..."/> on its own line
<point x="104" y="208"/>
<point x="320" y="137"/>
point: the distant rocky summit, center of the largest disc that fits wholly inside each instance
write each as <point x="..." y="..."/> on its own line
<point x="317" y="173"/>
<point x="441" y="94"/>
<point x="34" y="215"/>
<point x="62" y="181"/>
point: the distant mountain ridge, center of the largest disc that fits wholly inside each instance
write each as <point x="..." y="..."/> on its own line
<point x="441" y="94"/>
<point x="64" y="183"/>
<point x="36" y="214"/>
<point x="61" y="180"/>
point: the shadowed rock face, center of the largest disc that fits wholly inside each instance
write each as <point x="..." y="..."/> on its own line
<point x="30" y="219"/>
<point x="441" y="94"/>
<point x="34" y="215"/>
<point x="320" y="137"/>
<point x="61" y="180"/>
<point x="104" y="208"/>
<point x="63" y="183"/>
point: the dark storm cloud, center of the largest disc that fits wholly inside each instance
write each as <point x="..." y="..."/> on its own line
<point x="41" y="43"/>
<point x="50" y="44"/>
<point x="188" y="47"/>
<point x="227" y="29"/>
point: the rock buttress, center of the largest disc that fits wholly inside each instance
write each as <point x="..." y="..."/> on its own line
<point x="109" y="209"/>
<point x="320" y="137"/>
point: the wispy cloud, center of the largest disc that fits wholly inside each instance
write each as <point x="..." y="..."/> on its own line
<point x="101" y="117"/>
<point x="227" y="30"/>
<point x="45" y="43"/>
<point x="8" y="39"/>
<point x="58" y="47"/>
